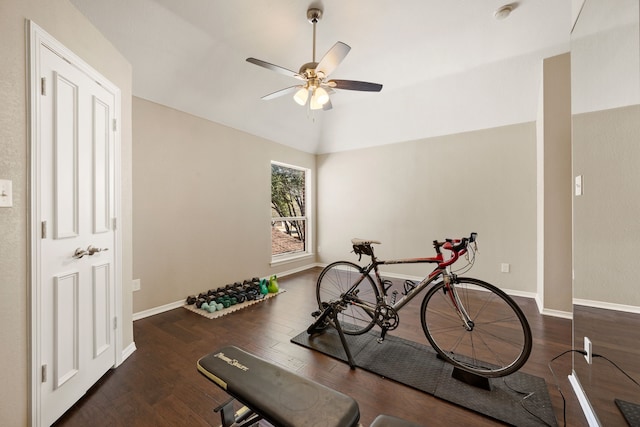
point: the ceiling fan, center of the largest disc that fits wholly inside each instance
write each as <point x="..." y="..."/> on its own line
<point x="315" y="88"/>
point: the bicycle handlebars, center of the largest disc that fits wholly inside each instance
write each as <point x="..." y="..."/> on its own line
<point x="455" y="245"/>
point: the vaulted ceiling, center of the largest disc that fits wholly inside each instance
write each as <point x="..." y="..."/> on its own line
<point x="447" y="66"/>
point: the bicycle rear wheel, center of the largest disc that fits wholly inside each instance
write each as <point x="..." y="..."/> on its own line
<point x="499" y="342"/>
<point x="356" y="316"/>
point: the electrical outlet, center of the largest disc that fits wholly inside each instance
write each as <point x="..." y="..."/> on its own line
<point x="505" y="267"/>
<point x="588" y="349"/>
<point x="136" y="285"/>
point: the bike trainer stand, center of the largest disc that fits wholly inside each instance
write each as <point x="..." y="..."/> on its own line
<point x="331" y="312"/>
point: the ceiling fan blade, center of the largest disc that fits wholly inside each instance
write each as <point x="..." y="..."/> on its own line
<point x="281" y="92"/>
<point x="276" y="68"/>
<point x="355" y="85"/>
<point x="333" y="58"/>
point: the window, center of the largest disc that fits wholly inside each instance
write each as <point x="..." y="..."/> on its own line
<point x="289" y="222"/>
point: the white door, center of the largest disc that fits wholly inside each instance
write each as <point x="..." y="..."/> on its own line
<point x="77" y="244"/>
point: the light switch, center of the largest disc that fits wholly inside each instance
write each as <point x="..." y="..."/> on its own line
<point x="6" y="193"/>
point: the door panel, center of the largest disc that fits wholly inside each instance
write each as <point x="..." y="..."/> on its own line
<point x="66" y="328"/>
<point x="101" y="310"/>
<point x="65" y="159"/>
<point x="101" y="172"/>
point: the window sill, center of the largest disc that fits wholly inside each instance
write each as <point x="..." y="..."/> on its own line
<point x="286" y="259"/>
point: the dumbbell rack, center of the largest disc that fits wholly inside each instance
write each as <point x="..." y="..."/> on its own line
<point x="229" y="295"/>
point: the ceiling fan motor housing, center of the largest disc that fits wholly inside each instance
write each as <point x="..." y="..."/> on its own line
<point x="314" y="15"/>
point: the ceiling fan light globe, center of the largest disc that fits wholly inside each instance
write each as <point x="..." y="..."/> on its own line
<point x="314" y="104"/>
<point x="321" y="96"/>
<point x="301" y="96"/>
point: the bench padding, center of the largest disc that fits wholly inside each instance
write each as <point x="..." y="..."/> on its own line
<point x="280" y="396"/>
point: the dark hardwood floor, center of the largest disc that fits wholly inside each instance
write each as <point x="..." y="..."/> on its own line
<point x="159" y="385"/>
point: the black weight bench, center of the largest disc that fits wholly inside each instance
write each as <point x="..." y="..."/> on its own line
<point x="279" y="396"/>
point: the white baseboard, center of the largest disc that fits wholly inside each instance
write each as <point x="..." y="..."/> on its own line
<point x="157" y="310"/>
<point x="131" y="348"/>
<point x="591" y="417"/>
<point x="607" y="305"/>
<point x="297" y="270"/>
<point x="556" y="313"/>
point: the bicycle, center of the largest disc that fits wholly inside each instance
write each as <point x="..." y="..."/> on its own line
<point x="471" y="324"/>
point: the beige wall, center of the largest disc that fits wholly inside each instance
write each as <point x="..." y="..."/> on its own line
<point x="555" y="186"/>
<point x="66" y="24"/>
<point x="202" y="194"/>
<point x="408" y="194"/>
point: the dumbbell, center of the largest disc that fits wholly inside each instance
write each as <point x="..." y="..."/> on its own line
<point x="191" y="299"/>
<point x="210" y="308"/>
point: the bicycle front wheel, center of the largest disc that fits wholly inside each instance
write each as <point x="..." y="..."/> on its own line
<point x="336" y="282"/>
<point x="498" y="341"/>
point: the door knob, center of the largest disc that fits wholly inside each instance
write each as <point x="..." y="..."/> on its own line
<point x="79" y="253"/>
<point x="92" y="250"/>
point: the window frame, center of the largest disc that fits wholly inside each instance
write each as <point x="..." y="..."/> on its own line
<point x="307" y="218"/>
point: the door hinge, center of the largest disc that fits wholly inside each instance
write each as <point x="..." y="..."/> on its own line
<point x="114" y="223"/>
<point x="43" y="229"/>
<point x="115" y="125"/>
<point x="115" y="323"/>
<point x="43" y="373"/>
<point x="43" y="86"/>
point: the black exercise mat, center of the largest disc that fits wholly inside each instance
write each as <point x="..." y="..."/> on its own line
<point x="416" y="365"/>
<point x="630" y="411"/>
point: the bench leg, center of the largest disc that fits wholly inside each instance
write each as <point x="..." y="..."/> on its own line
<point x="243" y="417"/>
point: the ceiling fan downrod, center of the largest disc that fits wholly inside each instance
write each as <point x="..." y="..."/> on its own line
<point x="313" y="16"/>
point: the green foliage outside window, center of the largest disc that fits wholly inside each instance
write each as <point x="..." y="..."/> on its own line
<point x="288" y="215"/>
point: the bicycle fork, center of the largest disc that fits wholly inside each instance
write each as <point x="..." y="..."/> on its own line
<point x="449" y="280"/>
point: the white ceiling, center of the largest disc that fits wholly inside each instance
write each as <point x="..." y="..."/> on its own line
<point x="447" y="66"/>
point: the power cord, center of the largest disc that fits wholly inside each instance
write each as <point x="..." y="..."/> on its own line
<point x="527" y="395"/>
<point x="555" y="378"/>
<point x="584" y="353"/>
<point x="617" y="367"/>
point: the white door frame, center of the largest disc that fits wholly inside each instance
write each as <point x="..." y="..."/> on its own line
<point x="38" y="39"/>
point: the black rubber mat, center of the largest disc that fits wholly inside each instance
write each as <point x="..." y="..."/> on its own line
<point x="518" y="399"/>
<point x="631" y="412"/>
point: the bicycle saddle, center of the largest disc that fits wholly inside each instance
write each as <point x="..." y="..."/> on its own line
<point x="357" y="241"/>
